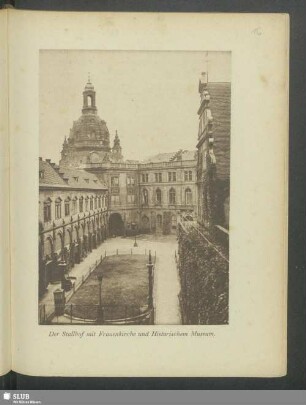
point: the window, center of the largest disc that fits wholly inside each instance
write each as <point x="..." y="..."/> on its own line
<point x="145" y="177"/>
<point x="74" y="205"/>
<point x="96" y="203"/>
<point x="173" y="221"/>
<point x="158" y="177"/>
<point x="188" y="196"/>
<point x="188" y="175"/>
<point x="86" y="203"/>
<point x="99" y="202"/>
<point x="41" y="174"/>
<point x="91" y="203"/>
<point x="172" y="196"/>
<point x="115" y="199"/>
<point x="130" y="180"/>
<point x="158" y="195"/>
<point x="81" y="205"/>
<point x="76" y="179"/>
<point x="67" y="207"/>
<point x="171" y="176"/>
<point x="115" y="181"/>
<point x="131" y="198"/>
<point x="145" y="196"/>
<point x="47" y="211"/>
<point x="58" y="208"/>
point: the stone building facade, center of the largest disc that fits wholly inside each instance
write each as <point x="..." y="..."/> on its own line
<point x="72" y="219"/>
<point x="213" y="164"/>
<point x="143" y="196"/>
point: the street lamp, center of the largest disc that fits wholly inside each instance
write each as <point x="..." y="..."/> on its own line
<point x="134" y="227"/>
<point x="100" y="317"/>
<point x="150" y="267"/>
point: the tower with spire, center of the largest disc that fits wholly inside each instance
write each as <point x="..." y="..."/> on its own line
<point x="89" y="139"/>
<point x="116" y="155"/>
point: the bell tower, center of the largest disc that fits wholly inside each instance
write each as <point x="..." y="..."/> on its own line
<point x="89" y="98"/>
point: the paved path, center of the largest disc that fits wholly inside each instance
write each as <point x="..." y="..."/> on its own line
<point x="166" y="282"/>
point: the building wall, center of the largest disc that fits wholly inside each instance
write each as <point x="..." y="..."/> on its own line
<point x="70" y="237"/>
<point x="143" y="214"/>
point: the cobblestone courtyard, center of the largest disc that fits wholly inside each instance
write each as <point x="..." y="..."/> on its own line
<point x="166" y="282"/>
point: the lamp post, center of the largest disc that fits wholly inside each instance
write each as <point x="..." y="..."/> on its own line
<point x="150" y="266"/>
<point x="100" y="317"/>
<point x="134" y="227"/>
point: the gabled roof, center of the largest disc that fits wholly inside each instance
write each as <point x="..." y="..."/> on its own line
<point x="49" y="175"/>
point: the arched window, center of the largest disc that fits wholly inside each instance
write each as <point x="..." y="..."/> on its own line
<point x="89" y="101"/>
<point x="86" y="203"/>
<point x="172" y="196"/>
<point x="74" y="205"/>
<point x="145" y="196"/>
<point x="173" y="221"/>
<point x="188" y="196"/>
<point x="159" y="220"/>
<point x="81" y="204"/>
<point x="47" y="210"/>
<point x="67" y="206"/>
<point x="96" y="202"/>
<point x="158" y="196"/>
<point x="145" y="222"/>
<point x="58" y="208"/>
<point x="91" y="203"/>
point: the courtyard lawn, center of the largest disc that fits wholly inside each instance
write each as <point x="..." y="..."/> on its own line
<point x="124" y="289"/>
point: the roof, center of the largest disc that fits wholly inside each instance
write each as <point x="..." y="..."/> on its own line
<point x="220" y="105"/>
<point x="78" y="178"/>
<point x="61" y="177"/>
<point x="171" y="157"/>
<point x="50" y="175"/>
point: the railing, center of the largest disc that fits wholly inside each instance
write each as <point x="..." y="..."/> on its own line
<point x="47" y="312"/>
<point x="140" y="166"/>
<point x="77" y="314"/>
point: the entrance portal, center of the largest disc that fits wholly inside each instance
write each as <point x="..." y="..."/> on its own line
<point x="116" y="225"/>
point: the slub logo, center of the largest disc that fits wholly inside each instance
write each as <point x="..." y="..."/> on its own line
<point x="7" y="396"/>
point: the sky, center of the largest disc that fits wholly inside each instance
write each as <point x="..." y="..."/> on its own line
<point x="151" y="98"/>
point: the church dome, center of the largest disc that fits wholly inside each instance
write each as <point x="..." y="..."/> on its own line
<point x="90" y="130"/>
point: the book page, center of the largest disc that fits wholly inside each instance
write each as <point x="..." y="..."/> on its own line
<point x="5" y="326"/>
<point x="151" y="151"/>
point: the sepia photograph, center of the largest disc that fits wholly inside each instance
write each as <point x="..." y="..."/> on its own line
<point x="134" y="187"/>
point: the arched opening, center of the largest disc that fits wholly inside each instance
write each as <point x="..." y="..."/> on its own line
<point x="173" y="222"/>
<point x="89" y="101"/>
<point x="172" y="196"/>
<point x="145" y="222"/>
<point x="188" y="196"/>
<point x="116" y="225"/>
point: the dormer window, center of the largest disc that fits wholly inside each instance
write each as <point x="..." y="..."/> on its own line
<point x="76" y="179"/>
<point x="41" y="174"/>
<point x="95" y="181"/>
<point x="87" y="180"/>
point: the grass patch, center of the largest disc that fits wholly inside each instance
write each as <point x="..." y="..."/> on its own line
<point x="124" y="289"/>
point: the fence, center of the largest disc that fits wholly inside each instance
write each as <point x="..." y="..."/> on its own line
<point x="77" y="314"/>
<point x="47" y="312"/>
